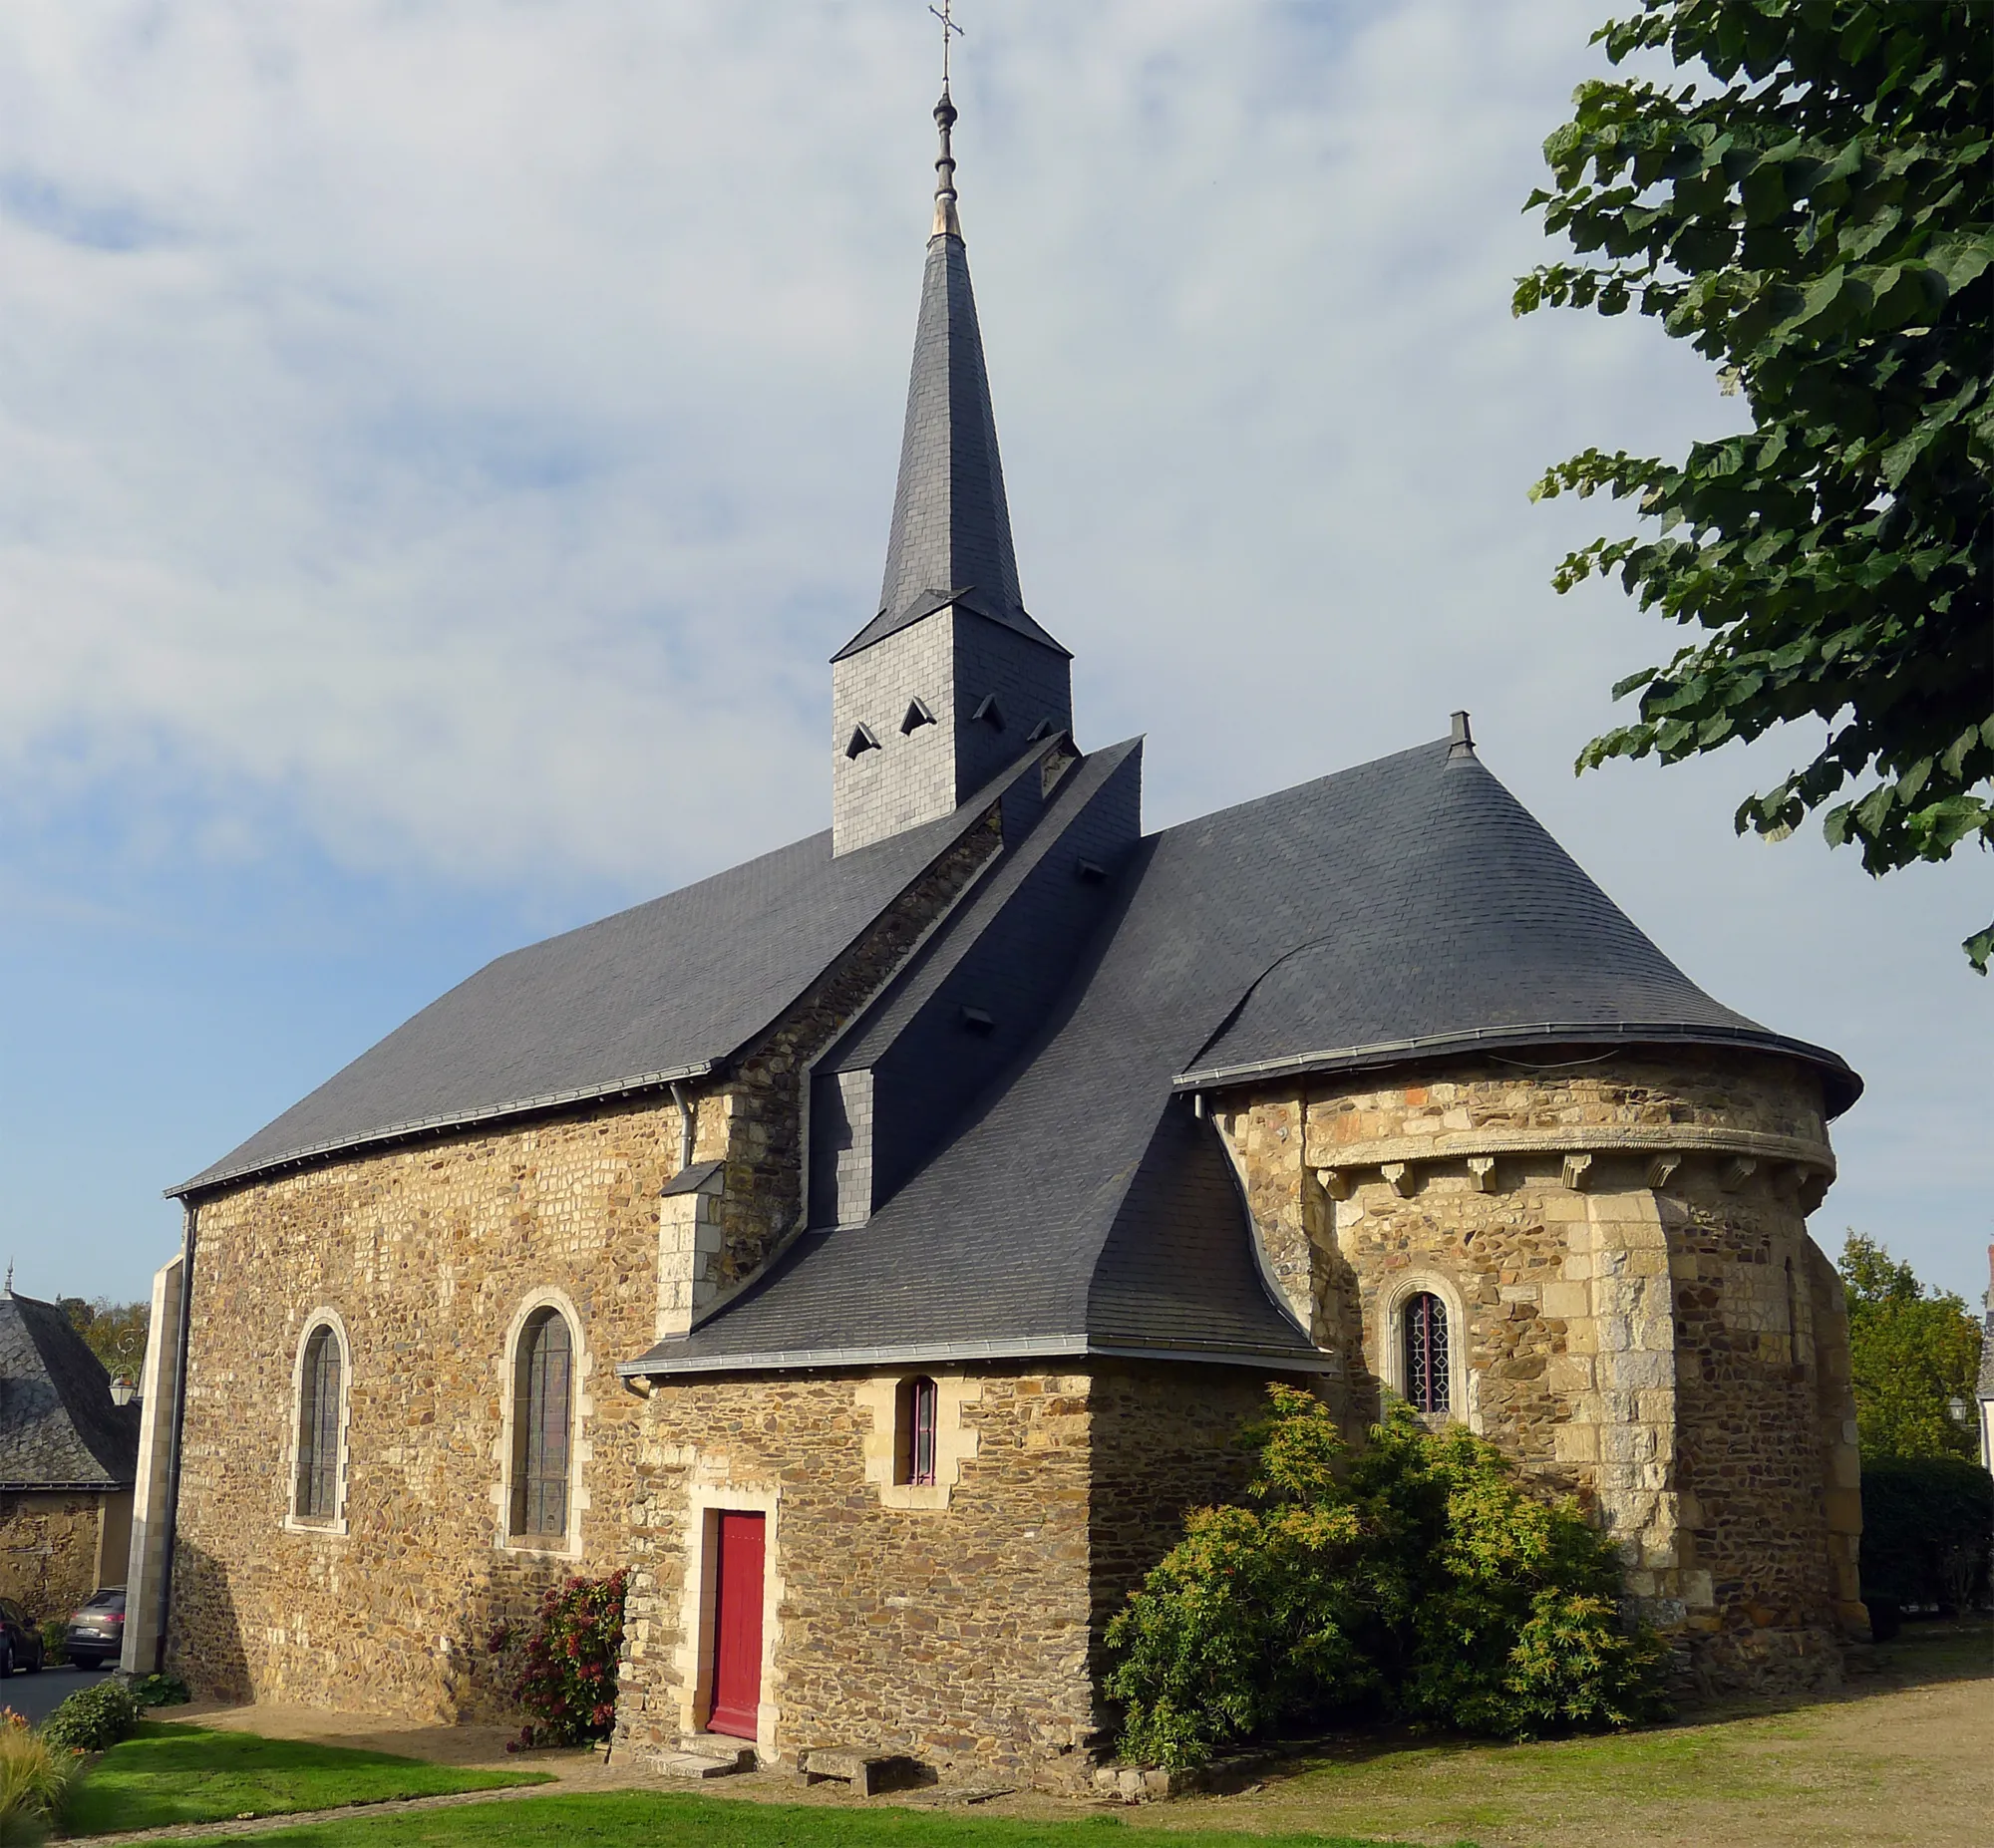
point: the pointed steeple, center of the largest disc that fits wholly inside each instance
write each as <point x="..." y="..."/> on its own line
<point x="951" y="681"/>
<point x="951" y="535"/>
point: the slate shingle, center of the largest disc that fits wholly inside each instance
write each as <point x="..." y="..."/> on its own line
<point x="58" y="1427"/>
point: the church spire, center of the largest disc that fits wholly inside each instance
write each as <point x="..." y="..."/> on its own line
<point x="951" y="681"/>
<point x="950" y="541"/>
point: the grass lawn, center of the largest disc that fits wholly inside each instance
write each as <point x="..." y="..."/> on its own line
<point x="644" y="1819"/>
<point x="187" y="1773"/>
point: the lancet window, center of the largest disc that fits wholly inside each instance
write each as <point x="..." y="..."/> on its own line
<point x="543" y="1419"/>
<point x="316" y="1491"/>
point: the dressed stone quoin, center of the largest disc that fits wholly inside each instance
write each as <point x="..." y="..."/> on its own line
<point x="877" y="1247"/>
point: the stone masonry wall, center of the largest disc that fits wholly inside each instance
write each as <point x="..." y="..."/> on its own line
<point x="956" y="1634"/>
<point x="49" y="1549"/>
<point x="963" y="1632"/>
<point x="429" y="1255"/>
<point x="1613" y="1241"/>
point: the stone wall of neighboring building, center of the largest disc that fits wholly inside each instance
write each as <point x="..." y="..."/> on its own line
<point x="1636" y="1311"/>
<point x="56" y="1545"/>
<point x="961" y="1624"/>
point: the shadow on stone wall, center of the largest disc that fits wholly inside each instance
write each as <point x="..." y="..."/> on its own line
<point x="204" y="1644"/>
<point x="1163" y="1439"/>
<point x="480" y="1667"/>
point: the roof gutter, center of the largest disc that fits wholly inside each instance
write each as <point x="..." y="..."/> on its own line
<point x="669" y="1079"/>
<point x="1065" y="1347"/>
<point x="1542" y="1033"/>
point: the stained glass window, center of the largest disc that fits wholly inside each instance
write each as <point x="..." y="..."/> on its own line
<point x="317" y="1494"/>
<point x="1426" y="1353"/>
<point x="541" y="1383"/>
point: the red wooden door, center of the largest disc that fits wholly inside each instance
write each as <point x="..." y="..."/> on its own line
<point x="737" y="1627"/>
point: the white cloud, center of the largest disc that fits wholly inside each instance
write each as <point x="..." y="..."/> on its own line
<point x="460" y="431"/>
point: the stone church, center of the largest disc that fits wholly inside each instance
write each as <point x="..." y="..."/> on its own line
<point x="876" y="1247"/>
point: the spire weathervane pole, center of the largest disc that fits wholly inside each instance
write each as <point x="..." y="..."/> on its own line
<point x="949" y="30"/>
<point x="945" y="220"/>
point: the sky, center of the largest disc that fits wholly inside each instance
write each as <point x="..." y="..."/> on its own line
<point x="443" y="440"/>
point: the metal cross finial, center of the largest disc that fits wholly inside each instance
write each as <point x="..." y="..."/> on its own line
<point x="949" y="30"/>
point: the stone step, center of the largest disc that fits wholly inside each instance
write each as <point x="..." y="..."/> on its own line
<point x="866" y="1771"/>
<point x="701" y="1765"/>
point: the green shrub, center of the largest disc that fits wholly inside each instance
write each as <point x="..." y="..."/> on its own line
<point x="55" y="1643"/>
<point x="1417" y="1579"/>
<point x="94" y="1718"/>
<point x="1926" y="1526"/>
<point x="160" y="1691"/>
<point x="35" y="1777"/>
<point x="565" y="1676"/>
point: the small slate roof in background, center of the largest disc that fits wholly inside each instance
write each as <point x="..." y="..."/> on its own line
<point x="58" y="1427"/>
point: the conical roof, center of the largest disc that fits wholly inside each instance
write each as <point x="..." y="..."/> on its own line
<point x="951" y="535"/>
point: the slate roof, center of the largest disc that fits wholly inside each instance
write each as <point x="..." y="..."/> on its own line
<point x="1084" y="1208"/>
<point x="1985" y="1387"/>
<point x="950" y="540"/>
<point x="58" y="1427"/>
<point x="1447" y="918"/>
<point x="666" y="989"/>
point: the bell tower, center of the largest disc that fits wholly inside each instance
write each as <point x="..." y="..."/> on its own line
<point x="951" y="681"/>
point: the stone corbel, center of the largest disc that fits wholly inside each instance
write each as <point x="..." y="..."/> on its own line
<point x="1401" y="1177"/>
<point x="1785" y="1178"/>
<point x="1661" y="1170"/>
<point x="1815" y="1185"/>
<point x="1335" y="1182"/>
<point x="1482" y="1174"/>
<point x="1732" y="1174"/>
<point x="1577" y="1172"/>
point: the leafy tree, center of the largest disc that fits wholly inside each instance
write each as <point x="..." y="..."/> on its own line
<point x="1913" y="1351"/>
<point x="1418" y="1577"/>
<point x="113" y="1332"/>
<point x="1811" y="211"/>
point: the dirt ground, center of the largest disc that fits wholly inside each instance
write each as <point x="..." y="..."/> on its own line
<point x="1903" y="1758"/>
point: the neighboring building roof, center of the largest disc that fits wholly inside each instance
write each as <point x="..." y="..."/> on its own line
<point x="951" y="535"/>
<point x="663" y="991"/>
<point x="58" y="1427"/>
<point x="1411" y="902"/>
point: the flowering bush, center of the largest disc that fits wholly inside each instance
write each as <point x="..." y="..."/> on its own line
<point x="1414" y="1578"/>
<point x="566" y="1674"/>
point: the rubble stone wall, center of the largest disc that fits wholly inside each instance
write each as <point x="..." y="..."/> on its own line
<point x="1637" y="1313"/>
<point x="963" y="1631"/>
<point x="426" y="1254"/>
<point x="51" y="1547"/>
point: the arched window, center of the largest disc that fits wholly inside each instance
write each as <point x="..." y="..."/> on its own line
<point x="315" y="1495"/>
<point x="914" y="1433"/>
<point x="1426" y="1358"/>
<point x="542" y="1379"/>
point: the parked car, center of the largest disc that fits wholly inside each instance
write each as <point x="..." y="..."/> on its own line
<point x="97" y="1629"/>
<point x="20" y="1640"/>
